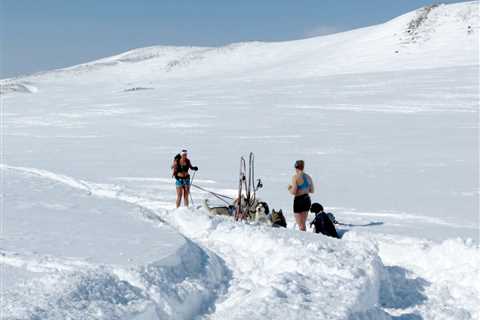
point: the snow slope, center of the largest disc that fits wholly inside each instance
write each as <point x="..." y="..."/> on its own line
<point x="386" y="118"/>
<point x="435" y="36"/>
<point x="67" y="253"/>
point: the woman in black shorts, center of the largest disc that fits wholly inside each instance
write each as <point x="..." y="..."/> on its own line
<point x="301" y="187"/>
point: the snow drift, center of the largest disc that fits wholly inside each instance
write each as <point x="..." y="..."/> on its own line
<point x="69" y="254"/>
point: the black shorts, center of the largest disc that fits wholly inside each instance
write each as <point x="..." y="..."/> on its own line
<point x="302" y="203"/>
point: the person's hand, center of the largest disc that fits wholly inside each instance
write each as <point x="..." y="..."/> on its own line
<point x="194" y="168"/>
<point x="290" y="187"/>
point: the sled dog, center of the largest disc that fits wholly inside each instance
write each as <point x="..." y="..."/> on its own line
<point x="278" y="219"/>
<point x="262" y="213"/>
<point x="218" y="211"/>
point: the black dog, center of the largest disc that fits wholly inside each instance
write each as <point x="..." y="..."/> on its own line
<point x="323" y="223"/>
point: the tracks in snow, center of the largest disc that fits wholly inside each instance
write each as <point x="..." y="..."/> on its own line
<point x="300" y="274"/>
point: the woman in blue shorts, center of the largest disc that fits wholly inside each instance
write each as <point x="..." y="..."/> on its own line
<point x="181" y="166"/>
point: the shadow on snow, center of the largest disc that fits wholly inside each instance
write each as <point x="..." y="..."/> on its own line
<point x="400" y="289"/>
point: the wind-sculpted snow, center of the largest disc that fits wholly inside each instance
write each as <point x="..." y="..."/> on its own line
<point x="283" y="267"/>
<point x="262" y="272"/>
<point x="17" y="86"/>
<point x="68" y="254"/>
<point x="281" y="273"/>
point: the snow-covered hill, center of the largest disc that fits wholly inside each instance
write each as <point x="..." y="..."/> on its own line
<point x="386" y="118"/>
<point x="433" y="36"/>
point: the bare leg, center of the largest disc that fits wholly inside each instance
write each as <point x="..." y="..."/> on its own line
<point x="179" y="196"/>
<point x="186" y="194"/>
<point x="300" y="219"/>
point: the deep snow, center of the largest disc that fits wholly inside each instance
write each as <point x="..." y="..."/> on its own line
<point x="386" y="118"/>
<point x="70" y="254"/>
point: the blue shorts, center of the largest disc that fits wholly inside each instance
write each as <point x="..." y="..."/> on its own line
<point x="182" y="182"/>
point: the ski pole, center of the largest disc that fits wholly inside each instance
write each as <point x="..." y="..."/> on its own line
<point x="191" y="182"/>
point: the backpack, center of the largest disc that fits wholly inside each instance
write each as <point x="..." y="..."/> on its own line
<point x="175" y="165"/>
<point x="324" y="225"/>
<point x="332" y="218"/>
<point x="278" y="219"/>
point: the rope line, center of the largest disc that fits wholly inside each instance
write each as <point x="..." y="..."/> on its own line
<point x="219" y="196"/>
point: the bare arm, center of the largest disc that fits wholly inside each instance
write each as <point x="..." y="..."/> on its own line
<point x="174" y="171"/>
<point x="293" y="186"/>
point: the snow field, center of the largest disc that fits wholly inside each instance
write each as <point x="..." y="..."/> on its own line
<point x="385" y="117"/>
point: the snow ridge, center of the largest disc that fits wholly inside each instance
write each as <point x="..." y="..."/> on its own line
<point x="62" y="266"/>
<point x="180" y="291"/>
<point x="20" y="86"/>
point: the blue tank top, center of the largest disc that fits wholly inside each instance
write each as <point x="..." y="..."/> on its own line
<point x="305" y="184"/>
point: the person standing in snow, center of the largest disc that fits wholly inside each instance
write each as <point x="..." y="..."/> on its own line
<point x="301" y="187"/>
<point x="181" y="165"/>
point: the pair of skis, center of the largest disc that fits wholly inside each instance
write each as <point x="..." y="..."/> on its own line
<point x="247" y="191"/>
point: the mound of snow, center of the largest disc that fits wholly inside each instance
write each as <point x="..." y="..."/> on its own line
<point x="284" y="274"/>
<point x="68" y="254"/>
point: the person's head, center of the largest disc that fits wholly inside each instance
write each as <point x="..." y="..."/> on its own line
<point x="299" y="165"/>
<point x="184" y="154"/>
<point x="177" y="157"/>
<point x="316" y="207"/>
